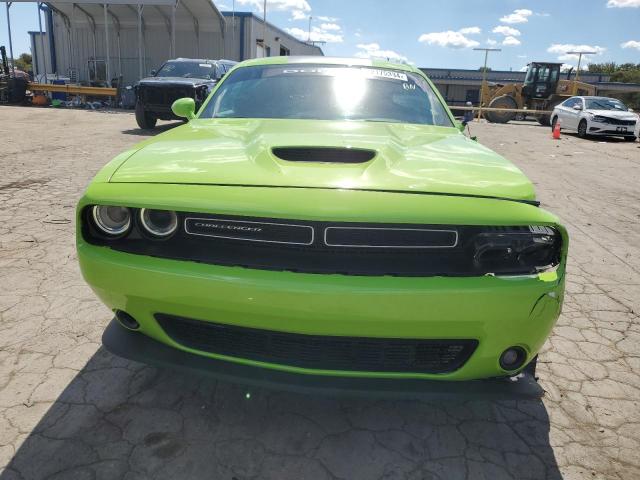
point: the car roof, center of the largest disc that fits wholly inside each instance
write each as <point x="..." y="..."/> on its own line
<point x="598" y="96"/>
<point x="200" y="60"/>
<point x="321" y="60"/>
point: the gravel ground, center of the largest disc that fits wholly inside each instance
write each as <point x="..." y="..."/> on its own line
<point x="70" y="410"/>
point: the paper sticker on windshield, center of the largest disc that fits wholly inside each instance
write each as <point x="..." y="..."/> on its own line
<point x="390" y="74"/>
<point x="205" y="65"/>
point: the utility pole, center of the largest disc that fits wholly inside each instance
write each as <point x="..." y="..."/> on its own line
<point x="484" y="75"/>
<point x="580" y="53"/>
<point x="264" y="29"/>
<point x="13" y="63"/>
<point x="309" y="35"/>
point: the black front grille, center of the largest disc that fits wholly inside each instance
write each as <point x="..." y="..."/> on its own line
<point x="616" y="121"/>
<point x="318" y="351"/>
<point x="343" y="248"/>
<point x="165" y="95"/>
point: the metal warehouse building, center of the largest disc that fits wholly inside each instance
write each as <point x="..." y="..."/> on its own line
<point x="92" y="42"/>
<point x="243" y="39"/>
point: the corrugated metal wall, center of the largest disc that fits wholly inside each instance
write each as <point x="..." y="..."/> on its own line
<point x="75" y="53"/>
<point x="253" y="31"/>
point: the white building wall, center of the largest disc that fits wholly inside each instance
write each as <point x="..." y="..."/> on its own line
<point x="253" y="31"/>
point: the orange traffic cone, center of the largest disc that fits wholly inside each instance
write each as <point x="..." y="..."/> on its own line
<point x="556" y="130"/>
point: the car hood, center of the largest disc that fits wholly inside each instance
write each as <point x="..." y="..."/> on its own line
<point x="614" y="114"/>
<point x="159" y="81"/>
<point x="408" y="158"/>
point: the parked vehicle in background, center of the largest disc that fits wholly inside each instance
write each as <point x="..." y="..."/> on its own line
<point x="601" y="116"/>
<point x="179" y="78"/>
<point x="542" y="89"/>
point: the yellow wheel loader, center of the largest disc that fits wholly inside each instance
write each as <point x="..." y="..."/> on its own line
<point x="542" y="90"/>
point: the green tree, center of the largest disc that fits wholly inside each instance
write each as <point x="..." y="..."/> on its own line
<point x="23" y="62"/>
<point x="624" y="73"/>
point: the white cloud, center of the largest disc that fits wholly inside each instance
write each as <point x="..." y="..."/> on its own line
<point x="506" y="31"/>
<point x="449" y="39"/>
<point x="283" y="5"/>
<point x="562" y="48"/>
<point x="330" y="26"/>
<point x="623" y="4"/>
<point x="470" y="30"/>
<point x="511" y="41"/>
<point x="491" y="42"/>
<point x="522" y="56"/>
<point x="373" y="50"/>
<point x="631" y="44"/>
<point x="518" y="16"/>
<point x="298" y="15"/>
<point x="327" y="19"/>
<point x="317" y="35"/>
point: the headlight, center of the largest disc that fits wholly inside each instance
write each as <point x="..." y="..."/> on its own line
<point x="517" y="250"/>
<point x="111" y="220"/>
<point x="600" y="119"/>
<point x="159" y="223"/>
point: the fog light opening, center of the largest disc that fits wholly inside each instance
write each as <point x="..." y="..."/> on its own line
<point x="126" y="320"/>
<point x="513" y="358"/>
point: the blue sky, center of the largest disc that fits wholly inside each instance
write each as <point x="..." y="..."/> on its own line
<point x="438" y="33"/>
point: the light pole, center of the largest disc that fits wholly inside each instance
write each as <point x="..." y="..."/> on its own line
<point x="309" y="35"/>
<point x="580" y="53"/>
<point x="484" y="75"/>
<point x="264" y="29"/>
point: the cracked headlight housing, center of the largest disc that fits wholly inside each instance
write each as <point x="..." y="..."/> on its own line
<point x="517" y="250"/>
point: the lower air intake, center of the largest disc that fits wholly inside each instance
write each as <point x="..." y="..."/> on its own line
<point x="318" y="351"/>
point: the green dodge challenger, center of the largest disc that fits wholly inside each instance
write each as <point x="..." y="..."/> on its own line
<point x="322" y="218"/>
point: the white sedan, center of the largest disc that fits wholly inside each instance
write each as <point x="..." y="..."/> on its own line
<point x="598" y="116"/>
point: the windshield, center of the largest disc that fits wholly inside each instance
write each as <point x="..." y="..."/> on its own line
<point x="605" y="104"/>
<point x="187" y="70"/>
<point x="325" y="92"/>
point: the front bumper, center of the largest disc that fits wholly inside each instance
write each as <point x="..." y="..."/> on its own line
<point x="498" y="312"/>
<point x="134" y="346"/>
<point x="607" y="129"/>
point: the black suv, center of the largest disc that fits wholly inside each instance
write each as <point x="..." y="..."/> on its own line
<point x="182" y="77"/>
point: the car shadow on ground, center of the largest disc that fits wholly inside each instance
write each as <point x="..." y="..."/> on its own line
<point x="121" y="419"/>
<point x="593" y="138"/>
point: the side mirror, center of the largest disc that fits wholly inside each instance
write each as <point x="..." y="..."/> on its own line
<point x="184" y="107"/>
<point x="577" y="107"/>
<point x="153" y="73"/>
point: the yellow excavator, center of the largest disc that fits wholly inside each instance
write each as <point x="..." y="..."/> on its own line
<point x="542" y="89"/>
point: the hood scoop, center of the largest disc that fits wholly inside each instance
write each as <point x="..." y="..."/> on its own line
<point x="324" y="154"/>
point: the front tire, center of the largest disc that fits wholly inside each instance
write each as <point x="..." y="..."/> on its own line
<point x="504" y="101"/>
<point x="146" y="120"/>
<point x="554" y="120"/>
<point x="582" y="129"/>
<point x="629" y="139"/>
<point x="543" y="120"/>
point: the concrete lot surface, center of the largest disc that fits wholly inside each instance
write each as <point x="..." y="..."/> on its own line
<point x="70" y="410"/>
